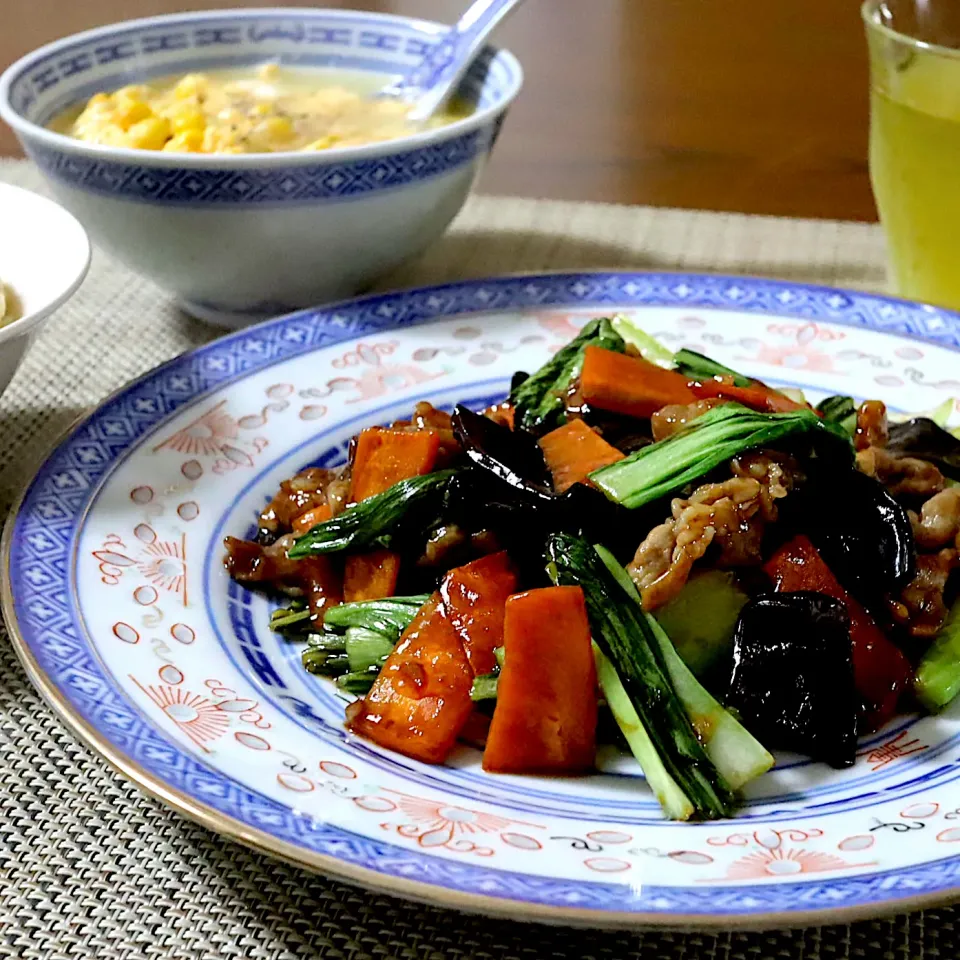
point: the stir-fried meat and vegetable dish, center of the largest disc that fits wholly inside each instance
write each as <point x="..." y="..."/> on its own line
<point x="637" y="547"/>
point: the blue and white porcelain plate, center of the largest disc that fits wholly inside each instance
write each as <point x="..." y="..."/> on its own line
<point x="125" y="619"/>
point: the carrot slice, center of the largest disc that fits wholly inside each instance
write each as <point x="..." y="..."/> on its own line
<point x="573" y="451"/>
<point x="502" y="413"/>
<point x="420" y="701"/>
<point x="474" y="596"/>
<point x="310" y="518"/>
<point x="758" y="397"/>
<point x="629" y="385"/>
<point x="370" y="576"/>
<point x="384" y="456"/>
<point x="545" y="719"/>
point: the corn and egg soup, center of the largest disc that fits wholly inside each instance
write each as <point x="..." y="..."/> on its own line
<point x="265" y="110"/>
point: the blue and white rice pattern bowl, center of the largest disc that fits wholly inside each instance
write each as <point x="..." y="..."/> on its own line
<point x="239" y="237"/>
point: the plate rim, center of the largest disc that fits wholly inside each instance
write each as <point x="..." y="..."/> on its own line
<point x="262" y="841"/>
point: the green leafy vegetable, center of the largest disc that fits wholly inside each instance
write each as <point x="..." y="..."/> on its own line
<point x="708" y="441"/>
<point x="698" y="367"/>
<point x="358" y="682"/>
<point x="295" y="617"/>
<point x="736" y="753"/>
<point x="648" y="348"/>
<point x="701" y="619"/>
<point x="626" y="637"/>
<point x="540" y="401"/>
<point x="327" y="661"/>
<point x="484" y="687"/>
<point x="366" y="648"/>
<point x="357" y="639"/>
<point x="388" y="617"/>
<point x="938" y="675"/>
<point x="380" y="520"/>
<point x="841" y="411"/>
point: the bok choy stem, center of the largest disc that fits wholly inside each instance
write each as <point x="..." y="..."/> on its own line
<point x="671" y="798"/>
<point x="938" y="675"/>
<point x="648" y="347"/>
<point x="738" y="756"/>
<point x="623" y="634"/>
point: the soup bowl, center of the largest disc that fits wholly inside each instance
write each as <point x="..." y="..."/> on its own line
<point x="44" y="256"/>
<point x="236" y="238"/>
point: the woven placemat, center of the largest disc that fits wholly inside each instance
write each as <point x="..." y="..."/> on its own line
<point x="91" y="868"/>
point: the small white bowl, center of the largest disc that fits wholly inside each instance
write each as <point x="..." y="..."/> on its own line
<point x="239" y="238"/>
<point x="44" y="256"/>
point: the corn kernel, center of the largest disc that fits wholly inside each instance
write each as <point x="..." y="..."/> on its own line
<point x="97" y="99"/>
<point x="268" y="71"/>
<point x="128" y="112"/>
<point x="109" y="136"/>
<point x="273" y="128"/>
<point x="215" y="140"/>
<point x="187" y="118"/>
<point x="149" y="134"/>
<point x="192" y="85"/>
<point x="188" y="141"/>
<point x="133" y="91"/>
<point x="324" y="143"/>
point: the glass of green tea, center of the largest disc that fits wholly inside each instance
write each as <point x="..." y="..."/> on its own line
<point x="915" y="141"/>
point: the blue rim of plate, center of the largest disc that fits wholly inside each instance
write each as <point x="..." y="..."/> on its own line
<point x="38" y="546"/>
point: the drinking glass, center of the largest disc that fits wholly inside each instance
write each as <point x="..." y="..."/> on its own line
<point x="914" y="50"/>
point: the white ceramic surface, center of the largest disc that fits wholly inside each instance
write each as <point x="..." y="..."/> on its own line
<point x="44" y="256"/>
<point x="239" y="238"/>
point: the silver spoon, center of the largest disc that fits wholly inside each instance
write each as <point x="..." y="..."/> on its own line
<point x="430" y="84"/>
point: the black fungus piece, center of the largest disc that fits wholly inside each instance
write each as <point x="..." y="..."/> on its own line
<point x="625" y="433"/>
<point x="925" y="440"/>
<point x="507" y="489"/>
<point x="513" y="457"/>
<point x="862" y="533"/>
<point x="874" y="543"/>
<point x="479" y="500"/>
<point x="792" y="681"/>
<point x="583" y="510"/>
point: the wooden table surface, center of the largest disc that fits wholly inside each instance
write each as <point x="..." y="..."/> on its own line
<point x="758" y="106"/>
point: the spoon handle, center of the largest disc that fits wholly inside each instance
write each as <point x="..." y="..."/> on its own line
<point x="433" y="81"/>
